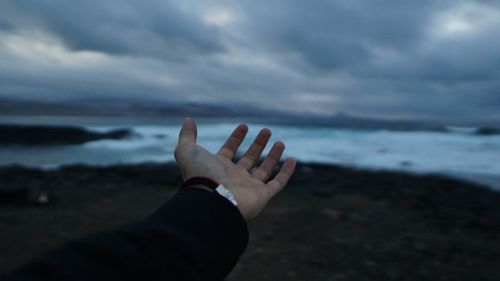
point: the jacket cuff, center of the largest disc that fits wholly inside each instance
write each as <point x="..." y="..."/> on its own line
<point x="213" y="221"/>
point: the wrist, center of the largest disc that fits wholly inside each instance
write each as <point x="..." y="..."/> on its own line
<point x="211" y="185"/>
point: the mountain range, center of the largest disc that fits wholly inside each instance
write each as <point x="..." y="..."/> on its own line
<point x="116" y="108"/>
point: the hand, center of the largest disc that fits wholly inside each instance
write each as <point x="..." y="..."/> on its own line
<point x="249" y="185"/>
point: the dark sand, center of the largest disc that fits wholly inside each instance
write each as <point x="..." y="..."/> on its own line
<point x="331" y="223"/>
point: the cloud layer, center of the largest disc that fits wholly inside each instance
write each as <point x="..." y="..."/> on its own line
<point x="435" y="59"/>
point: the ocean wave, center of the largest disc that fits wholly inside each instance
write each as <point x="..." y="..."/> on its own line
<point x="459" y="152"/>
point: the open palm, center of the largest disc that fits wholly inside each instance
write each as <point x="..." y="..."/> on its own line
<point x="249" y="184"/>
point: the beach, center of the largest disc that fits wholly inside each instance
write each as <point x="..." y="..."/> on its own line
<point x="391" y="110"/>
<point x="331" y="222"/>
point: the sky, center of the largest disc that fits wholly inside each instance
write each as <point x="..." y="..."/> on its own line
<point x="391" y="58"/>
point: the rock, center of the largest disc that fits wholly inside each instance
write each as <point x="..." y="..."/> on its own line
<point x="331" y="213"/>
<point x="406" y="163"/>
<point x="383" y="150"/>
<point x="42" y="198"/>
<point x="487" y="131"/>
<point x="24" y="196"/>
<point x="339" y="277"/>
<point x="54" y="135"/>
<point x="369" y="263"/>
<point x="307" y="169"/>
<point x="268" y="236"/>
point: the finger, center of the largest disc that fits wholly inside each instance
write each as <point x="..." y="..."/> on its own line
<point x="266" y="168"/>
<point x="253" y="153"/>
<point x="233" y="142"/>
<point x="281" y="179"/>
<point x="189" y="131"/>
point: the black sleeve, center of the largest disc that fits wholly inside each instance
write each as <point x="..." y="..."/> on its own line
<point x="196" y="235"/>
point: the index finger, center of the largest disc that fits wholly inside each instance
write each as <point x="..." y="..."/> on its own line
<point x="233" y="142"/>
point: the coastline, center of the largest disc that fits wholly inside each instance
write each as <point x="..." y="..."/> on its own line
<point x="331" y="222"/>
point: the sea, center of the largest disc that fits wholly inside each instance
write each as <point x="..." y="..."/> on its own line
<point x="455" y="152"/>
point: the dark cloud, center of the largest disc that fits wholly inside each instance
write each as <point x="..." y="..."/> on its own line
<point x="436" y="59"/>
<point x="349" y="35"/>
<point x="4" y="25"/>
<point x="151" y="28"/>
<point x="393" y="52"/>
<point x="338" y="34"/>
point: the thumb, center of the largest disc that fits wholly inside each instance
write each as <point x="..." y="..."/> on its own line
<point x="188" y="132"/>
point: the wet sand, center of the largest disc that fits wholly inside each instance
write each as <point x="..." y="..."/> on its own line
<point x="331" y="223"/>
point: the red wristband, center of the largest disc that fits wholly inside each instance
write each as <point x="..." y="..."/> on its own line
<point x="213" y="185"/>
<point x="205" y="181"/>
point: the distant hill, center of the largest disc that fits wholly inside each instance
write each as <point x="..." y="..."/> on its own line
<point x="345" y="120"/>
<point x="110" y="107"/>
<point x="123" y="107"/>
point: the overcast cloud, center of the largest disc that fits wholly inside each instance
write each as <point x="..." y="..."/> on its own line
<point x="394" y="58"/>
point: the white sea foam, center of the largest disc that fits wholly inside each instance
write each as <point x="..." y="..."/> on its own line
<point x="457" y="154"/>
<point x="462" y="130"/>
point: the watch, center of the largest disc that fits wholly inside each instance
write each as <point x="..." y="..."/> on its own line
<point x="213" y="185"/>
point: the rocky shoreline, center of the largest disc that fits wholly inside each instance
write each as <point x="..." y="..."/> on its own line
<point x="332" y="223"/>
<point x="28" y="135"/>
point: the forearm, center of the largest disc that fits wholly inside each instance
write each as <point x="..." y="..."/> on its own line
<point x="197" y="235"/>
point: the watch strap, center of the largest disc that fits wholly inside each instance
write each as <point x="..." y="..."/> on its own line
<point x="212" y="184"/>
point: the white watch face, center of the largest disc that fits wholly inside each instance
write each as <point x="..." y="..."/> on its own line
<point x="224" y="192"/>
